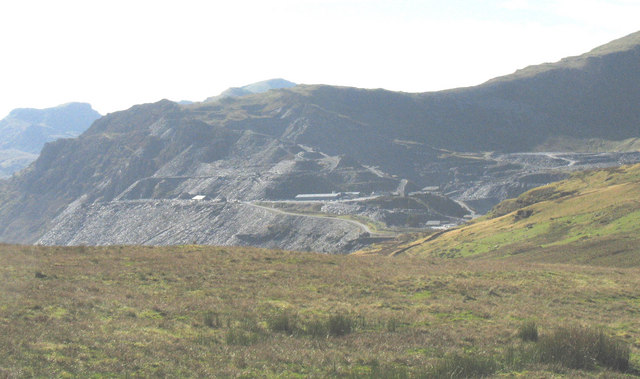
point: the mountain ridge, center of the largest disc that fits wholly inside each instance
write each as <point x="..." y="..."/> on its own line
<point x="468" y="143"/>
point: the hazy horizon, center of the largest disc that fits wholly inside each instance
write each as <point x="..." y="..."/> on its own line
<point x="117" y="54"/>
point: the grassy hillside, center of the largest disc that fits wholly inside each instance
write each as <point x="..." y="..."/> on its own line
<point x="223" y="312"/>
<point x="593" y="217"/>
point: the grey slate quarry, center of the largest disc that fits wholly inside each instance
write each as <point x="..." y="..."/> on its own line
<point x="131" y="177"/>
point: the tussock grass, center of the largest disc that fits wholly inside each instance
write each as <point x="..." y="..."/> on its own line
<point x="463" y="366"/>
<point x="340" y="325"/>
<point x="241" y="337"/>
<point x="582" y="348"/>
<point x="212" y="319"/>
<point x="240" y="312"/>
<point x="283" y="322"/>
<point x="528" y="331"/>
<point x="289" y="323"/>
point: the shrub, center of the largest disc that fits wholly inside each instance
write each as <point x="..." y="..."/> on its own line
<point x="464" y="366"/>
<point x="375" y="370"/>
<point x="240" y="337"/>
<point x="583" y="348"/>
<point x="389" y="372"/>
<point x="612" y="353"/>
<point x="284" y="322"/>
<point x="340" y="325"/>
<point x="392" y="324"/>
<point x="316" y="328"/>
<point x="212" y="320"/>
<point x="528" y="331"/>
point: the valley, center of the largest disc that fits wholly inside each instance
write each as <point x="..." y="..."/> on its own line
<point x="285" y="230"/>
<point x="419" y="162"/>
<point x="553" y="270"/>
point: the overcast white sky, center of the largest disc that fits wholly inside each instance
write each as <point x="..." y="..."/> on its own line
<point x="117" y="53"/>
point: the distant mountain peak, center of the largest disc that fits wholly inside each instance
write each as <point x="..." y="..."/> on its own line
<point x="258" y="87"/>
<point x="28" y="114"/>
<point x="25" y="130"/>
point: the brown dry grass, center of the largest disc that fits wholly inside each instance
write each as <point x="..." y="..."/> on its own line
<point x="205" y="311"/>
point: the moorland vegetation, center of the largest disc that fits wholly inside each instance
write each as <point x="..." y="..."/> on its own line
<point x="243" y="312"/>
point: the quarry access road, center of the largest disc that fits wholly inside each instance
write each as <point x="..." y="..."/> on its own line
<point x="468" y="208"/>
<point x="362" y="226"/>
<point x="570" y="162"/>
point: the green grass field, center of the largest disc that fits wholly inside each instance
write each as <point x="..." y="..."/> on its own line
<point x="592" y="218"/>
<point x="194" y="311"/>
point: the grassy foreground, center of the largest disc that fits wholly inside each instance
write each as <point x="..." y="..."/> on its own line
<point x="243" y="312"/>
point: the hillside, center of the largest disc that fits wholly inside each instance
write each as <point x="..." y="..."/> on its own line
<point x="473" y="145"/>
<point x="591" y="218"/>
<point x="24" y="132"/>
<point x="194" y="311"/>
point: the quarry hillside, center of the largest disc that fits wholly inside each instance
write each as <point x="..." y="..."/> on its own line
<point x="589" y="218"/>
<point x="227" y="171"/>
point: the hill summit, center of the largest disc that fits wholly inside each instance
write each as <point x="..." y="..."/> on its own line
<point x="409" y="160"/>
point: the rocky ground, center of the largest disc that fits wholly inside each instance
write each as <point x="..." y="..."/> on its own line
<point x="137" y="218"/>
<point x="488" y="179"/>
<point x="176" y="222"/>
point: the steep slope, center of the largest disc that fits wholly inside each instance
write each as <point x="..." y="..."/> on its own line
<point x="466" y="143"/>
<point x="24" y="131"/>
<point x="593" y="217"/>
<point x="158" y="152"/>
<point x="12" y="160"/>
<point x="591" y="96"/>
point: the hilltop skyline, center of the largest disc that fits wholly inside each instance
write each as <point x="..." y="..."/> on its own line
<point x="117" y="54"/>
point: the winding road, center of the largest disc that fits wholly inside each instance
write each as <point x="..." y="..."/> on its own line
<point x="570" y="162"/>
<point x="465" y="206"/>
<point x="362" y="226"/>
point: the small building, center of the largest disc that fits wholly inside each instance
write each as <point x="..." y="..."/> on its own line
<point x="318" y="196"/>
<point x="433" y="223"/>
<point x="199" y="197"/>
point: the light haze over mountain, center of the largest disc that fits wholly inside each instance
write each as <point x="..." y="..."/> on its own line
<point x="259" y="87"/>
<point x="25" y="130"/>
<point x="410" y="46"/>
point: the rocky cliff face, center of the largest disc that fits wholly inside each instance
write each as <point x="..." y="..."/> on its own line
<point x="129" y="178"/>
<point x="169" y="222"/>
